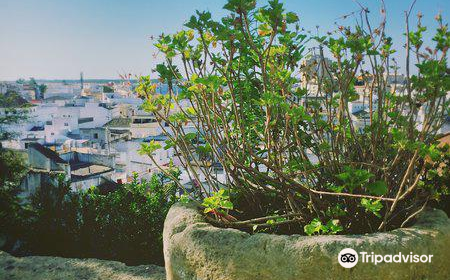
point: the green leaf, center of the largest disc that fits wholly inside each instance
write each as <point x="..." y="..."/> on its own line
<point x="373" y="206"/>
<point x="149" y="106"/>
<point x="184" y="198"/>
<point x="291" y="17"/>
<point x="314" y="227"/>
<point x="190" y="136"/>
<point x="334" y="226"/>
<point x="149" y="148"/>
<point x="377" y="188"/>
<point x="218" y="201"/>
<point x="191" y="111"/>
<point x="169" y="144"/>
<point x="334" y="188"/>
<point x="354" y="178"/>
<point x="264" y="29"/>
<point x="226" y="205"/>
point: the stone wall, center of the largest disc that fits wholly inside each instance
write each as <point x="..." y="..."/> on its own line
<point x="105" y="160"/>
<point x="52" y="268"/>
<point x="38" y="160"/>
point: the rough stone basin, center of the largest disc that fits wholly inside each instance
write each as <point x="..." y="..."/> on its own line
<point x="194" y="249"/>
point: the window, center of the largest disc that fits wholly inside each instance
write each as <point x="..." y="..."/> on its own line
<point x="66" y="124"/>
<point x="142" y="121"/>
<point x="52" y="133"/>
<point x="95" y="135"/>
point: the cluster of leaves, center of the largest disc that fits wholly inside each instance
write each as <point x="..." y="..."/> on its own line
<point x="317" y="227"/>
<point x="293" y="149"/>
<point x="353" y="179"/>
<point x="218" y="203"/>
<point x="437" y="176"/>
<point x="107" y="89"/>
<point x="15" y="111"/>
<point x="12" y="99"/>
<point x="40" y="88"/>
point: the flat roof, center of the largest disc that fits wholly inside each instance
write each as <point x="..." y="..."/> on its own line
<point x="87" y="170"/>
<point x="119" y="122"/>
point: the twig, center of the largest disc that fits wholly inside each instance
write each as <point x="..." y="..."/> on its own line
<point x="414" y="214"/>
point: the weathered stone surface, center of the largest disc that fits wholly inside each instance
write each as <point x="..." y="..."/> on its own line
<point x="194" y="249"/>
<point x="48" y="268"/>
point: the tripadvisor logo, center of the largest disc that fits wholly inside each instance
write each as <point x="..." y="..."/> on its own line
<point x="348" y="258"/>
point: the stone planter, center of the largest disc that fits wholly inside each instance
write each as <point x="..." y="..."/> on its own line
<point x="194" y="249"/>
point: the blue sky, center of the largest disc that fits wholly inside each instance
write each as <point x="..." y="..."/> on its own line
<point x="56" y="39"/>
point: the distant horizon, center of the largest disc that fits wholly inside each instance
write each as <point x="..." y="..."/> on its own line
<point x="67" y="80"/>
<point x="56" y="40"/>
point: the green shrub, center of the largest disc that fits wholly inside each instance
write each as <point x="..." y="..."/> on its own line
<point x="11" y="212"/>
<point x="124" y="225"/>
<point x="241" y="76"/>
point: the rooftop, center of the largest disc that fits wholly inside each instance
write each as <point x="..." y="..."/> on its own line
<point x="37" y="128"/>
<point x="159" y="138"/>
<point x="31" y="139"/>
<point x="47" y="152"/>
<point x="53" y="98"/>
<point x="74" y="136"/>
<point x="118" y="122"/>
<point x="362" y="114"/>
<point x="81" y="170"/>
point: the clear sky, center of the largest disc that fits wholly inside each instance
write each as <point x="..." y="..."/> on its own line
<point x="56" y="39"/>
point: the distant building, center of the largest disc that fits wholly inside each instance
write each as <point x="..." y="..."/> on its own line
<point x="314" y="68"/>
<point x="144" y="124"/>
<point x="82" y="170"/>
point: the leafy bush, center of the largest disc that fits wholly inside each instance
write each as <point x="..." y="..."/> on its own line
<point x="124" y="225"/>
<point x="249" y="87"/>
<point x="128" y="223"/>
<point x="12" y="167"/>
<point x="12" y="170"/>
<point x="108" y="89"/>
